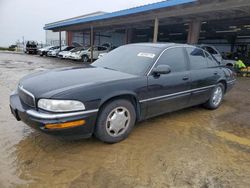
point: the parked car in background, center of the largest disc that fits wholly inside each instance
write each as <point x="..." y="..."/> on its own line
<point x="44" y="51"/>
<point x="109" y="46"/>
<point x="65" y="51"/>
<point x="31" y="47"/>
<point x="102" y="54"/>
<point x="109" y="49"/>
<point x="85" y="55"/>
<point x="131" y="83"/>
<point x="48" y="51"/>
<point x="66" y="54"/>
<point x="217" y="55"/>
<point x="54" y="52"/>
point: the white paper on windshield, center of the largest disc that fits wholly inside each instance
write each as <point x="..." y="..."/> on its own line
<point x="148" y="55"/>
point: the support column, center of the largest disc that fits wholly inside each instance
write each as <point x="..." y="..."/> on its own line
<point x="129" y="32"/>
<point x="91" y="42"/>
<point x="194" y="32"/>
<point x="69" y="38"/>
<point x="60" y="40"/>
<point x="126" y="36"/>
<point x="156" y="29"/>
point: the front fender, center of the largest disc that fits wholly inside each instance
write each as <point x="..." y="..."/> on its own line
<point x="118" y="94"/>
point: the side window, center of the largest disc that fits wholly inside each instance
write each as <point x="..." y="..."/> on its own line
<point x="174" y="58"/>
<point x="211" y="62"/>
<point x="197" y="58"/>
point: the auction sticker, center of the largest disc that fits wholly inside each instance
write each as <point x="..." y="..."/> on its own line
<point x="148" y="55"/>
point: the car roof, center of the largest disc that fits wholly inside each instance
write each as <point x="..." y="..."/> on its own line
<point x="161" y="45"/>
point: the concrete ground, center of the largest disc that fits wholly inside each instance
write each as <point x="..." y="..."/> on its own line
<point x="194" y="147"/>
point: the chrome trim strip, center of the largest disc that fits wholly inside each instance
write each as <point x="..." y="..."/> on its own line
<point x="42" y="115"/>
<point x="232" y="81"/>
<point x="174" y="94"/>
<point x="28" y="93"/>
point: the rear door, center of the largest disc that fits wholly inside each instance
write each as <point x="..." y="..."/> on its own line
<point x="203" y="78"/>
<point x="169" y="92"/>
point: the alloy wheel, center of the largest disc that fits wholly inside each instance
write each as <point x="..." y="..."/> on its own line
<point x="217" y="96"/>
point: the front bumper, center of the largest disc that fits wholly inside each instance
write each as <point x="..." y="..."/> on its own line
<point x="75" y="57"/>
<point x="38" y="119"/>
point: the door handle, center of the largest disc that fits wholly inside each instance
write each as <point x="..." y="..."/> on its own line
<point x="185" y="78"/>
<point x="215" y="73"/>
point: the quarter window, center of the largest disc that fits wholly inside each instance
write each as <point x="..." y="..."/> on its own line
<point x="210" y="50"/>
<point x="197" y="58"/>
<point x="174" y="58"/>
<point x="211" y="62"/>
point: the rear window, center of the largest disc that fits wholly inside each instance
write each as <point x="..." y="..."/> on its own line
<point x="197" y="58"/>
<point x="211" y="62"/>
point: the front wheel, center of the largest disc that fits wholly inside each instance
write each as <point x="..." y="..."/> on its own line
<point x="115" y="121"/>
<point x="85" y="59"/>
<point x="216" y="97"/>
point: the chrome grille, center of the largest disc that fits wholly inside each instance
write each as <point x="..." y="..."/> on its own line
<point x="26" y="97"/>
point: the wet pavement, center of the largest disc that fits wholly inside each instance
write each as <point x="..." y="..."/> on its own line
<point x="194" y="147"/>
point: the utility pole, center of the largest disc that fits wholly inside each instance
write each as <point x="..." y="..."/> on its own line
<point x="92" y="42"/>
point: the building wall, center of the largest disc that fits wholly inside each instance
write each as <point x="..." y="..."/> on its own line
<point x="52" y="38"/>
<point x="83" y="39"/>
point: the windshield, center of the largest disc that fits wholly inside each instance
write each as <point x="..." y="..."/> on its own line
<point x="132" y="59"/>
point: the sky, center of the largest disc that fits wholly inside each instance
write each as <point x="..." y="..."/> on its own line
<point x="26" y="18"/>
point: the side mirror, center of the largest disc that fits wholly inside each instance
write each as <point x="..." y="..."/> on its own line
<point x="161" y="69"/>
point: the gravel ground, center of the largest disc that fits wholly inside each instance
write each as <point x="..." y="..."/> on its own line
<point x="194" y="147"/>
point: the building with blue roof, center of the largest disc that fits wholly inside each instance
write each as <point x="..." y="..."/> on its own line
<point x="224" y="23"/>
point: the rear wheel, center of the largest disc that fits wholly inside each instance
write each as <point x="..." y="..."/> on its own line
<point x="115" y="121"/>
<point x="216" y="97"/>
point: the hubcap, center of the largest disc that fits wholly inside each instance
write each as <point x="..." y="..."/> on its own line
<point x="118" y="121"/>
<point x="217" y="97"/>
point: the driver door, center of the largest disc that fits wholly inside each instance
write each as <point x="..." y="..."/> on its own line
<point x="169" y="92"/>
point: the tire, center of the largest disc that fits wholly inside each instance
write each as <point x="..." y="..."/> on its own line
<point x="214" y="102"/>
<point x="115" y="121"/>
<point x="85" y="59"/>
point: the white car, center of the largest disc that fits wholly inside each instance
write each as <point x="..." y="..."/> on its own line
<point x="53" y="53"/>
<point x="44" y="51"/>
<point x="216" y="54"/>
<point x="64" y="52"/>
<point x="85" y="55"/>
<point x="102" y="54"/>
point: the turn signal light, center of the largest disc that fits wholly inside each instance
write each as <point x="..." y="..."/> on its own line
<point x="65" y="125"/>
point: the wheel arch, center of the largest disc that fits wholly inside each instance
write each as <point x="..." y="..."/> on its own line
<point x="224" y="83"/>
<point x="123" y="95"/>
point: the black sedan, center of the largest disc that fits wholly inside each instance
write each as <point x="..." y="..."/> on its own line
<point x="130" y="84"/>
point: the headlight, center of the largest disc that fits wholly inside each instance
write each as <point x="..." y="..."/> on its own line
<point x="60" y="105"/>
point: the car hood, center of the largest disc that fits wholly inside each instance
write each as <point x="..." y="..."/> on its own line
<point x="48" y="83"/>
<point x="64" y="52"/>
